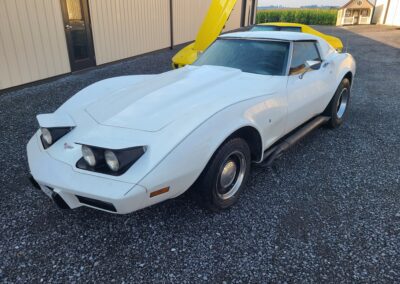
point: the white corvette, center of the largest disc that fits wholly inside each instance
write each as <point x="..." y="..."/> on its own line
<point x="129" y="142"/>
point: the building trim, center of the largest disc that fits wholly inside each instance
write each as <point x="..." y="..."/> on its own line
<point x="171" y="22"/>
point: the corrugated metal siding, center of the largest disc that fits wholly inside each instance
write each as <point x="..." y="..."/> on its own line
<point x="188" y="17"/>
<point x="125" y="28"/>
<point x="393" y="17"/>
<point x="379" y="14"/>
<point x="32" y="41"/>
<point x="234" y="20"/>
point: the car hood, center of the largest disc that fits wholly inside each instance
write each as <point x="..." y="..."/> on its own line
<point x="157" y="101"/>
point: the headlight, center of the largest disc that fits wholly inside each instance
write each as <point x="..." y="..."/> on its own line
<point x="106" y="161"/>
<point x="51" y="135"/>
<point x="111" y="160"/>
<point x="89" y="156"/>
<point x="47" y="136"/>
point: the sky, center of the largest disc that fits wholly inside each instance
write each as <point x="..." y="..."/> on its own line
<point x="298" y="3"/>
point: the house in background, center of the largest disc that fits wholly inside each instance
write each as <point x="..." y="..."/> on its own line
<point x="41" y="39"/>
<point x="355" y="12"/>
<point x="387" y="12"/>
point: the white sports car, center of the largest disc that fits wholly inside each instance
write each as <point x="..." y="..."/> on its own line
<point x="129" y="142"/>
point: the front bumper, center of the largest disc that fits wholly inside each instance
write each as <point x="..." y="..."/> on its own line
<point x="58" y="180"/>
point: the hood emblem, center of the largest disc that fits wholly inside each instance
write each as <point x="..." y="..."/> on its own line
<point x="67" y="146"/>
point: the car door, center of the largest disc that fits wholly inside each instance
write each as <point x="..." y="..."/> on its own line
<point x="305" y="86"/>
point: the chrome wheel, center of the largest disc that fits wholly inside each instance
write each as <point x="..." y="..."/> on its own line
<point x="231" y="175"/>
<point x="342" y="103"/>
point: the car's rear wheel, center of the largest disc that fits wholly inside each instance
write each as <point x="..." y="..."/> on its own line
<point x="225" y="175"/>
<point x="338" y="106"/>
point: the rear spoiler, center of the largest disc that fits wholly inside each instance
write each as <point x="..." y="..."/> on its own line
<point x="215" y="20"/>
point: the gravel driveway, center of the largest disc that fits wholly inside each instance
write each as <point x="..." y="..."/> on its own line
<point x="327" y="211"/>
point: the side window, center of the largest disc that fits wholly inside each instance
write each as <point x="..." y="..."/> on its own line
<point x="303" y="52"/>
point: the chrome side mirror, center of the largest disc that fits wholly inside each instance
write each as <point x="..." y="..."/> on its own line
<point x="310" y="65"/>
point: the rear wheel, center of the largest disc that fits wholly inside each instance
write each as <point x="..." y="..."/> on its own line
<point x="337" y="108"/>
<point x="225" y="176"/>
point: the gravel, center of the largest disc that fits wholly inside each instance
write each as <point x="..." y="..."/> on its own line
<point x="327" y="211"/>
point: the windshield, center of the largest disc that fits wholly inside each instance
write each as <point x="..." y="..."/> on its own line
<point x="253" y="56"/>
<point x="274" y="28"/>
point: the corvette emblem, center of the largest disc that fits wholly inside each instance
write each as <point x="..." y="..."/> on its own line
<point x="67" y="146"/>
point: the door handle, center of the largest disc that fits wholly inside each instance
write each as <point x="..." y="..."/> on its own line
<point x="68" y="27"/>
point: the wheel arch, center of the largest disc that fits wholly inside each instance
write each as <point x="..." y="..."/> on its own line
<point x="252" y="137"/>
<point x="349" y="75"/>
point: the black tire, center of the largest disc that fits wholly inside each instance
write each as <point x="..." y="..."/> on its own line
<point x="209" y="188"/>
<point x="339" y="105"/>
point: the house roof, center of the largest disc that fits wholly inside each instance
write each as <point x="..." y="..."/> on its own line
<point x="355" y="4"/>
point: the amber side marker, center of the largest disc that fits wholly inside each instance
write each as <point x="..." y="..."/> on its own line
<point x="160" y="191"/>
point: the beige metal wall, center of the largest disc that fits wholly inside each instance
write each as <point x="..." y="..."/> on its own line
<point x="189" y="15"/>
<point x="32" y="41"/>
<point x="234" y="19"/>
<point x="125" y="28"/>
<point x="393" y="16"/>
<point x="187" y="18"/>
<point x="33" y="44"/>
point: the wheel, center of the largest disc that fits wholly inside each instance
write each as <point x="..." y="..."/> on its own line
<point x="337" y="108"/>
<point x="225" y="175"/>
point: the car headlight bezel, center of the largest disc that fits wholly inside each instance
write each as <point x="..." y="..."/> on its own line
<point x="50" y="135"/>
<point x="119" y="160"/>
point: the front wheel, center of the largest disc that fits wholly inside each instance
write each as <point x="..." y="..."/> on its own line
<point x="337" y="108"/>
<point x="225" y="175"/>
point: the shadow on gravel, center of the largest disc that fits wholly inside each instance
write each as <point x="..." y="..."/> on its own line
<point x="327" y="210"/>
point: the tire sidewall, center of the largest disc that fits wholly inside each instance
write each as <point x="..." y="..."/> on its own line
<point x="335" y="120"/>
<point x="208" y="184"/>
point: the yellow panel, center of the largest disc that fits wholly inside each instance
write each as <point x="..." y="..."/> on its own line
<point x="214" y="22"/>
<point x="233" y="22"/>
<point x="215" y="19"/>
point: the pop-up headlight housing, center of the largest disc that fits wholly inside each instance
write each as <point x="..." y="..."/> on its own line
<point x="108" y="161"/>
<point x="50" y="136"/>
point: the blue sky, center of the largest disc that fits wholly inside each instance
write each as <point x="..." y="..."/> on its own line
<point x="298" y="3"/>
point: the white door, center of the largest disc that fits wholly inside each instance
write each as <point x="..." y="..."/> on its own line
<point x="306" y="88"/>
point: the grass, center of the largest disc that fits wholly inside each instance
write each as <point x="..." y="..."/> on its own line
<point x="302" y="16"/>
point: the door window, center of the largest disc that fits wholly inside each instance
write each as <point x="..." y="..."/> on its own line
<point x="303" y="52"/>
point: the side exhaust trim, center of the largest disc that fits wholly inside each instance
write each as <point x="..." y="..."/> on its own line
<point x="276" y="151"/>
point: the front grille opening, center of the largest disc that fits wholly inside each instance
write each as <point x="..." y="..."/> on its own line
<point x="96" y="203"/>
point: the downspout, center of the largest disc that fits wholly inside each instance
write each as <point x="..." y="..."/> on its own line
<point x="171" y="23"/>
<point x="253" y="12"/>
<point x="243" y="16"/>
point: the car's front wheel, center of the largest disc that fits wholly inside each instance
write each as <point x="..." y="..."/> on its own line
<point x="225" y="175"/>
<point x="337" y="108"/>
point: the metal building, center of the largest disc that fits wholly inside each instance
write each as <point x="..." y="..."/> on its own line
<point x="387" y="12"/>
<point x="40" y="39"/>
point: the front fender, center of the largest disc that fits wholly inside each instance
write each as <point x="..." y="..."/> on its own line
<point x="182" y="166"/>
<point x="347" y="64"/>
